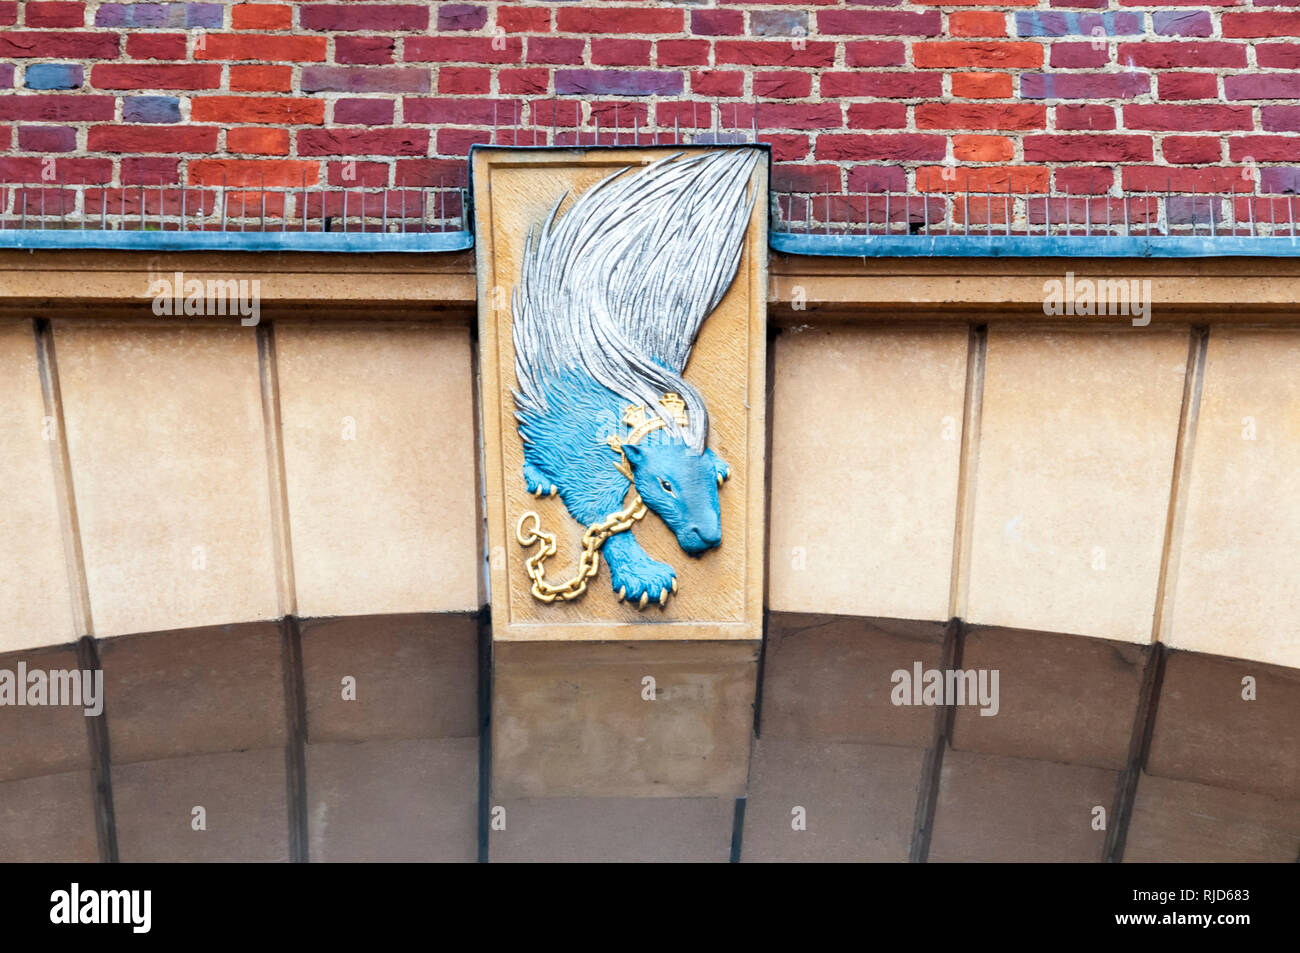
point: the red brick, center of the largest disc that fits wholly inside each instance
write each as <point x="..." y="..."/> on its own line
<point x="970" y="23"/>
<point x="800" y="115"/>
<point x="527" y="82"/>
<point x="678" y="52"/>
<point x="261" y="47"/>
<point x="464" y="80"/>
<point x="874" y="53"/>
<point x="50" y="45"/>
<point x="622" y="52"/>
<point x="150" y="76"/>
<point x="982" y="148"/>
<point x="268" y="110"/>
<point x="155" y="169"/>
<point x="1187" y="86"/>
<point x="55" y="14"/>
<point x="1079" y="56"/>
<point x="555" y="50"/>
<point x="1085" y="180"/>
<point x="879" y="23"/>
<point x="418" y="173"/>
<point x="1162" y="178"/>
<point x="363" y="50"/>
<point x="524" y="19"/>
<point x="156" y="46"/>
<point x="1097" y="148"/>
<point x="261" y="79"/>
<point x="404" y="17"/>
<point x="782" y="84"/>
<point x="281" y="173"/>
<point x="393" y="141"/>
<point x="621" y="20"/>
<point x="990" y="179"/>
<point x="906" y="146"/>
<point x="1278" y="55"/>
<point x="463" y="49"/>
<point x="787" y="147"/>
<point x="1188" y="118"/>
<point x="686" y="115"/>
<point x="717" y="22"/>
<point x="261" y="16"/>
<point x="978" y="116"/>
<point x="55" y="107"/>
<point x="353" y="174"/>
<point x="981" y="85"/>
<point x="1264" y="148"/>
<point x="953" y="54"/>
<point x="1261" y="24"/>
<point x="772" y="53"/>
<point x="1191" y="149"/>
<point x="876" y="116"/>
<point x="456" y="142"/>
<point x="70" y="170"/>
<point x="1179" y="55"/>
<point x="152" y="139"/>
<point x="251" y="140"/>
<point x="8" y="12"/>
<point x="882" y="85"/>
<point x="364" y="112"/>
<point x="718" y="82"/>
<point x="1085" y="118"/>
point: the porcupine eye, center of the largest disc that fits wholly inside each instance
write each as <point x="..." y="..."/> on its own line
<point x="667" y="487"/>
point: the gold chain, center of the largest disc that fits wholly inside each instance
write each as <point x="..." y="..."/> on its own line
<point x="588" y="564"/>
<point x="594" y="538"/>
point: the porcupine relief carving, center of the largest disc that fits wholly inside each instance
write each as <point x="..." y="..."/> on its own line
<point x="609" y="302"/>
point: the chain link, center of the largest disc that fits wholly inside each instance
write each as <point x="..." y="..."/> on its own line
<point x="588" y="564"/>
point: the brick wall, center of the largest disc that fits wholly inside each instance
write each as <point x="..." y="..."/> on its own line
<point x="1085" y="96"/>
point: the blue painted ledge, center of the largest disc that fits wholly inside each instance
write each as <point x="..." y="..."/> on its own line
<point x="353" y="242"/>
<point x="1034" y="246"/>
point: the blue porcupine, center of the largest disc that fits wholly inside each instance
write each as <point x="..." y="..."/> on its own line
<point x="608" y="305"/>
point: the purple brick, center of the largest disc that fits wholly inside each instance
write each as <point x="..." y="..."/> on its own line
<point x="111" y="14"/>
<point x="1038" y="23"/>
<point x="1083" y="85"/>
<point x="6" y="75"/>
<point x="1262" y="86"/>
<point x="461" y="16"/>
<point x="208" y="16"/>
<point x="778" y="23"/>
<point x="151" y="109"/>
<point x="717" y="22"/>
<point x="1187" y="210"/>
<point x="1280" y="118"/>
<point x="554" y="50"/>
<point x="1182" y="22"/>
<point x="617" y="82"/>
<point x="185" y="15"/>
<point x="1279" y="179"/>
<point x="363" y="16"/>
<point x="54" y="76"/>
<point x="365" y="79"/>
<point x="364" y="112"/>
<point x="47" y="139"/>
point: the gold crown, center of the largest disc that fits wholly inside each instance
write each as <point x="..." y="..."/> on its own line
<point x="642" y="423"/>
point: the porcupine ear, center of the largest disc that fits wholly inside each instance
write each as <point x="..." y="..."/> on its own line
<point x="634" y="454"/>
